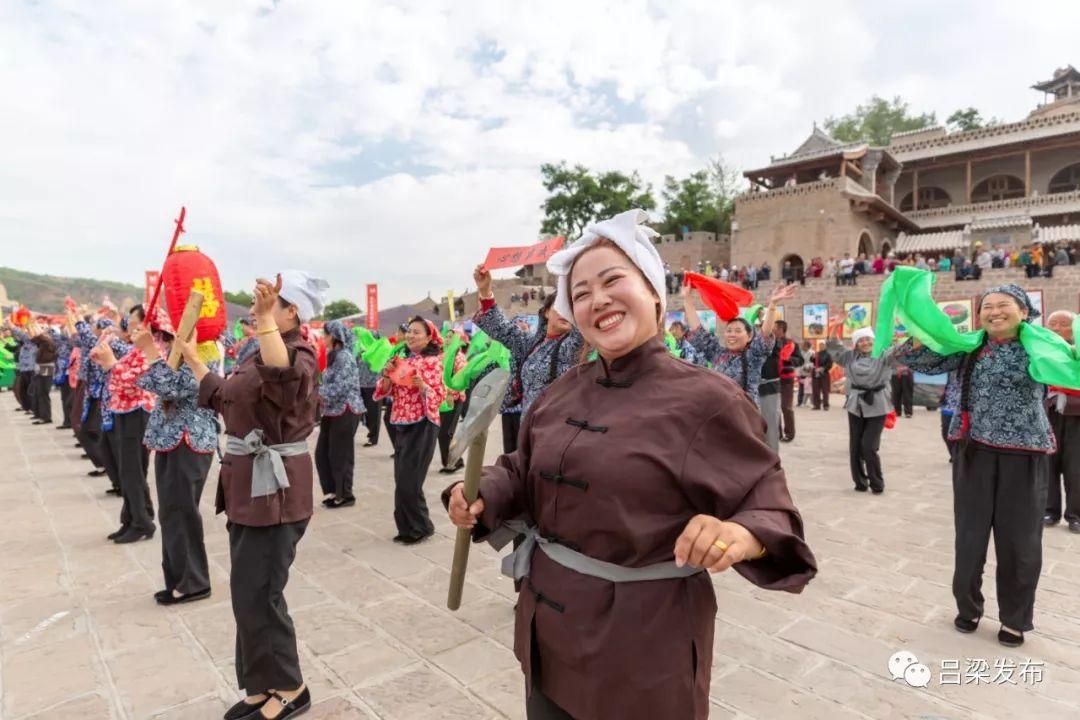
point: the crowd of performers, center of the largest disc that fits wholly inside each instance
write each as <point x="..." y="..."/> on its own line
<point x="631" y="454"/>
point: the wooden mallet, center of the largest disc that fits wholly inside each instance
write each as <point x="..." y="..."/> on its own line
<point x="187" y="327"/>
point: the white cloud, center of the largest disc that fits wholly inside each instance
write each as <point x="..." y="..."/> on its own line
<point x="271" y="120"/>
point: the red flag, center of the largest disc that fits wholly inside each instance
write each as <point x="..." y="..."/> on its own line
<point x="722" y="297"/>
<point x="506" y="257"/>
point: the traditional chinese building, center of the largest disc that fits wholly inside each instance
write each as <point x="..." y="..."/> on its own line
<point x="929" y="191"/>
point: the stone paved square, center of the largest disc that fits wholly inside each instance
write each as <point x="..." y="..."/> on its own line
<point x="80" y="634"/>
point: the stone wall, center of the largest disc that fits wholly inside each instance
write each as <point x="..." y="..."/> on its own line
<point x="698" y="246"/>
<point x="1062" y="292"/>
<point x="809" y="220"/>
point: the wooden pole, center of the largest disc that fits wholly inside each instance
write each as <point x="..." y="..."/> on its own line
<point x="149" y="309"/>
<point x="1027" y="174"/>
<point x="474" y="466"/>
<point x="187" y="327"/>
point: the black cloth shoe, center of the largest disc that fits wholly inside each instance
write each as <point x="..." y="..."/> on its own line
<point x="291" y="708"/>
<point x="369" y="444"/>
<point x="1049" y="520"/>
<point x="1007" y="639"/>
<point x="42" y="422"/>
<point x="329" y="502"/>
<point x="345" y="502"/>
<point x="113" y="491"/>
<point x="84" y="456"/>
<point x="410" y="540"/>
<point x="966" y="626"/>
<point x="170" y="599"/>
<point x="242" y="710"/>
<point x="160" y="595"/>
<point x="65" y="426"/>
<point x="123" y="529"/>
<point x="133" y="535"/>
<point x="1074" y="526"/>
<point x="877" y="490"/>
<point x="96" y="473"/>
<point x="861" y="488"/>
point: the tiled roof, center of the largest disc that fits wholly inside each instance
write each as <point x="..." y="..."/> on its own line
<point x="931" y="242"/>
<point x="1058" y="233"/>
<point x="1034" y="128"/>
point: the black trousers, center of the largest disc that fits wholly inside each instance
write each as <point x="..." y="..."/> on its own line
<point x="864" y="440"/>
<point x="946" y="421"/>
<point x="447" y="425"/>
<point x="133" y="460"/>
<point x="96" y="442"/>
<point x="391" y="430"/>
<point x="266" y="654"/>
<point x="74" y="417"/>
<point x="42" y="387"/>
<point x="801" y="399"/>
<point x="511" y="428"/>
<point x="787" y="409"/>
<point x="819" y="386"/>
<point x="1064" y="468"/>
<point x="180" y="476"/>
<point x="335" y="454"/>
<point x="1004" y="493"/>
<point x="414" y="448"/>
<point x="903" y="393"/>
<point x="372" y="414"/>
<point x="66" y="397"/>
<point x="24" y="382"/>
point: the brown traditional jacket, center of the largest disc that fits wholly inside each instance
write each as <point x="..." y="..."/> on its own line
<point x="615" y="459"/>
<point x="282" y="402"/>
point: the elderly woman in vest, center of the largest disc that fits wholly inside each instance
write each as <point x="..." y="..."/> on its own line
<point x="1001" y="467"/>
<point x="268" y="405"/>
<point x="342" y="411"/>
<point x="867" y="404"/>
<point x="683" y="485"/>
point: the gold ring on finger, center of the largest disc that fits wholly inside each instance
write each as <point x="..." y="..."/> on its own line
<point x="723" y="546"/>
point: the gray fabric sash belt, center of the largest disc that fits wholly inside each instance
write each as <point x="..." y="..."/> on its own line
<point x="267" y="469"/>
<point x="518" y="563"/>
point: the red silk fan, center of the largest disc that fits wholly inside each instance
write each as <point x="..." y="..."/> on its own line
<point x="722" y="297"/>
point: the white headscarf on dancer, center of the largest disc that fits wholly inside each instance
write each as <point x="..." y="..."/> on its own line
<point x="631" y="236"/>
<point x="306" y="292"/>
<point x="861" y="333"/>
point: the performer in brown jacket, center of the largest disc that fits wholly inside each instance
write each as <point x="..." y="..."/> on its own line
<point x="635" y="474"/>
<point x="268" y="405"/>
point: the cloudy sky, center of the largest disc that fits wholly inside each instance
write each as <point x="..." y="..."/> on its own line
<point x="394" y="142"/>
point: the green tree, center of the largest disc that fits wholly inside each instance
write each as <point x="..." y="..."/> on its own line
<point x="705" y="200"/>
<point x="241" y="298"/>
<point x="577" y="197"/>
<point x="339" y="309"/>
<point x="969" y="119"/>
<point x="877" y="121"/>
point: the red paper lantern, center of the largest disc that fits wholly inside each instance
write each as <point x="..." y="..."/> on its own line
<point x="187" y="269"/>
<point x="21" y="317"/>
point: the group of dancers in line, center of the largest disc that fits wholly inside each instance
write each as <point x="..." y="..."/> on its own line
<point x="630" y="472"/>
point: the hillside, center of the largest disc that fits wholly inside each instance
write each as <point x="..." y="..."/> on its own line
<point x="46" y="293"/>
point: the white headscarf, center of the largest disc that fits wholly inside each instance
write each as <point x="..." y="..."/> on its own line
<point x="634" y="238"/>
<point x="307" y="293"/>
<point x="861" y="333"/>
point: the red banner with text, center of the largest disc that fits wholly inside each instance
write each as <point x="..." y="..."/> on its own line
<point x="506" y="257"/>
<point x="372" y="312"/>
<point x="151" y="283"/>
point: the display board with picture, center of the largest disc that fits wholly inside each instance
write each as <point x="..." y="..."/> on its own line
<point x="960" y="313"/>
<point x="857" y="315"/>
<point x="1036" y="299"/>
<point x="815" y="320"/>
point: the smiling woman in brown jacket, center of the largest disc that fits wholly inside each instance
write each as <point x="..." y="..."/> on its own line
<point x="637" y="473"/>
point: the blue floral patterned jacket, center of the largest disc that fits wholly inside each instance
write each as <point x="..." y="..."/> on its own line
<point x="63" y="358"/>
<point x="732" y="364"/>
<point x="176" y="416"/>
<point x="537" y="359"/>
<point x="340" y="386"/>
<point x="27" y="360"/>
<point x="1005" y="404"/>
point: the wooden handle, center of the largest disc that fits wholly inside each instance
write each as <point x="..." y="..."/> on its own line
<point x="474" y="466"/>
<point x="187" y="327"/>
